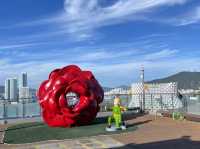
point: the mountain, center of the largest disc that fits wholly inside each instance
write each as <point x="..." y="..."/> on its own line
<point x="106" y="89"/>
<point x="186" y="80"/>
<point x="34" y="90"/>
<point x="126" y="87"/>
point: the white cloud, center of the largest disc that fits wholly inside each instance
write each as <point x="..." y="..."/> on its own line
<point x="22" y="45"/>
<point x="80" y="9"/>
<point x="129" y="72"/>
<point x="3" y="62"/>
<point x="108" y="74"/>
<point x="37" y="71"/>
<point x="190" y="18"/>
<point x="80" y="18"/>
<point x="106" y="55"/>
<point x="112" y="72"/>
<point x="81" y="15"/>
<point x="161" y="54"/>
<point x="187" y="18"/>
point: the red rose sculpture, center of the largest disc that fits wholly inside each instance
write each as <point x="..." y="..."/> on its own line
<point x="70" y="97"/>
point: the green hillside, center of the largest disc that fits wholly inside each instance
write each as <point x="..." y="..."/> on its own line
<point x="186" y="80"/>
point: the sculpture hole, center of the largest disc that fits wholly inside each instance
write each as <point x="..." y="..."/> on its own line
<point x="72" y="99"/>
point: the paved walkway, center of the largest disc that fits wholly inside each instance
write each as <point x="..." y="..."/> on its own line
<point x="162" y="133"/>
<point x="99" y="142"/>
<point x="2" y="129"/>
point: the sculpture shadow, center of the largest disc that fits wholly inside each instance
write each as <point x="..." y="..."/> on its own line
<point x="131" y="115"/>
<point x="98" y="120"/>
<point x="22" y="126"/>
<point x="104" y="120"/>
<point x="137" y="123"/>
<point x="181" y="143"/>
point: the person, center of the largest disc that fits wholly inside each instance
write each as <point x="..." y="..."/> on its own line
<point x="117" y="114"/>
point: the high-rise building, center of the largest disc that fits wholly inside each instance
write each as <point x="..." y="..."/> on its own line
<point x="23" y="80"/>
<point x="7" y="89"/>
<point x="24" y="93"/>
<point x="32" y="94"/>
<point x="13" y="90"/>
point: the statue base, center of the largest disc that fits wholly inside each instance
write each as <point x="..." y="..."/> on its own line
<point x="113" y="128"/>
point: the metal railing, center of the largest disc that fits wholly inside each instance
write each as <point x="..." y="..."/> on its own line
<point x="19" y="110"/>
<point x="153" y="102"/>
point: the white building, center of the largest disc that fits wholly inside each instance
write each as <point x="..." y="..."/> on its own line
<point x="117" y="91"/>
<point x="23" y="81"/>
<point x="7" y="89"/>
<point x="24" y="93"/>
<point x="157" y="96"/>
<point x="13" y="90"/>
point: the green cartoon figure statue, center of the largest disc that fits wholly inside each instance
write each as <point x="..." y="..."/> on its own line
<point x="116" y="116"/>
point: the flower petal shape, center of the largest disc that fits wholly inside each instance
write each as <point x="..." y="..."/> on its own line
<point x="58" y="96"/>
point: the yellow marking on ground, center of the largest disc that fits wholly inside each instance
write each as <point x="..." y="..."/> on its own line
<point x="85" y="146"/>
<point x="37" y="147"/>
<point x="62" y="146"/>
<point x="103" y="145"/>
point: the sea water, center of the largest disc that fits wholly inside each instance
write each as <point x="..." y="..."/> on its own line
<point x="19" y="110"/>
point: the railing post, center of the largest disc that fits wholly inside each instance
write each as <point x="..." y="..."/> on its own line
<point x="23" y="108"/>
<point x="5" y="112"/>
<point x="140" y="98"/>
<point x="128" y="96"/>
<point x="172" y="102"/>
<point x="186" y="104"/>
<point x="17" y="110"/>
<point x="151" y="102"/>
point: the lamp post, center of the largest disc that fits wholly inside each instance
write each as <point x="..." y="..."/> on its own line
<point x="143" y="89"/>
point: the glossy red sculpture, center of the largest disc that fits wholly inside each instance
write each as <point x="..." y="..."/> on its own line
<point x="70" y="97"/>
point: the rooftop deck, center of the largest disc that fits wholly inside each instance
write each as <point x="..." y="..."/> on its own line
<point x="152" y="133"/>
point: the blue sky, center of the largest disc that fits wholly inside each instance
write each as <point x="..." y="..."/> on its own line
<point x="112" y="38"/>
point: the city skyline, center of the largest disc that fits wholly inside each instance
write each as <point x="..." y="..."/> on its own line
<point x="110" y="38"/>
<point x="17" y="89"/>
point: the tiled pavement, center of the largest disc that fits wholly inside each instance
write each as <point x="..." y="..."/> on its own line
<point x="98" y="142"/>
<point x="2" y="128"/>
<point x="152" y="133"/>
